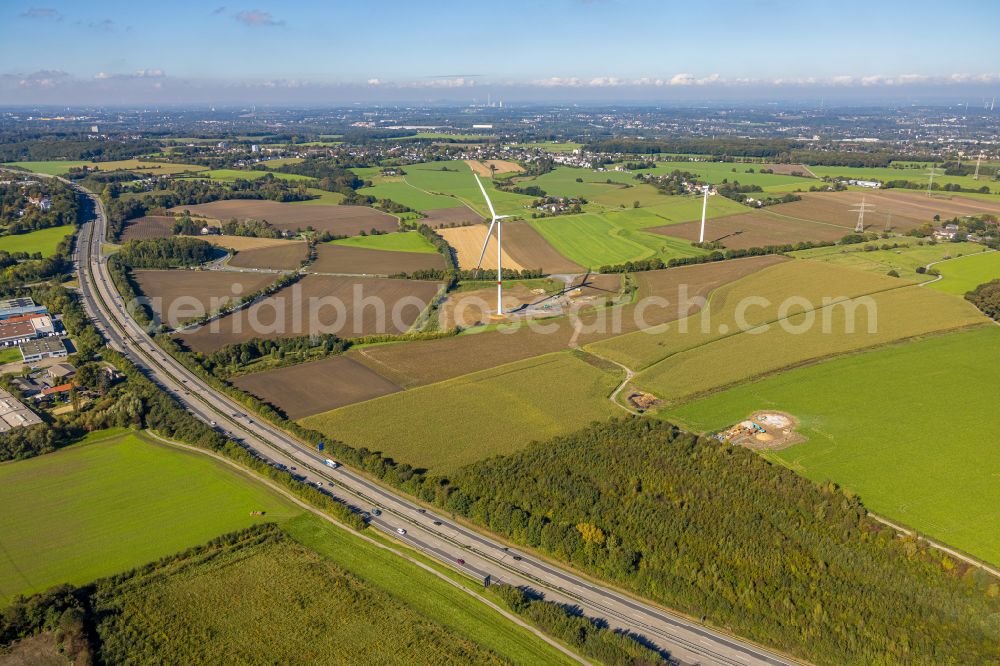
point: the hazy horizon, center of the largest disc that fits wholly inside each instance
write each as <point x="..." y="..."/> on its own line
<point x="583" y="51"/>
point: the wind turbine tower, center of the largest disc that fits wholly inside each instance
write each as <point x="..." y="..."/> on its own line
<point x="862" y="208"/>
<point x="704" y="210"/>
<point x="495" y="222"/>
<point x="979" y="160"/>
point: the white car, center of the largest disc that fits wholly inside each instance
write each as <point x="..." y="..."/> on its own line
<point x="400" y="530"/>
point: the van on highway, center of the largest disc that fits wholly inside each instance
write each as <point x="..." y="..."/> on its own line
<point x="331" y="463"/>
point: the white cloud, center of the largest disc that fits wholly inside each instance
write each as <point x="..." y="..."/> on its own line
<point x="257" y="18"/>
<point x="45" y="78"/>
<point x="46" y="13"/>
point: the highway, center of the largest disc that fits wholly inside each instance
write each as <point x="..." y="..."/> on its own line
<point x="467" y="550"/>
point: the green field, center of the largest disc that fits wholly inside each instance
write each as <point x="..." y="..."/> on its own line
<point x="803" y="338"/>
<point x="314" y="610"/>
<point x="408" y="195"/>
<point x="9" y="355"/>
<point x="401" y="241"/>
<point x="909" y="428"/>
<point x="716" y="172"/>
<point x="422" y="591"/>
<point x="44" y="240"/>
<point x="324" y="198"/>
<point x="904" y="260"/>
<point x="596" y="239"/>
<point x="455" y="179"/>
<point x="916" y="175"/>
<point x="963" y="274"/>
<point x="236" y="174"/>
<point x="554" y="146"/>
<point x="110" y="504"/>
<point x="459" y="421"/>
<point x="62" y="167"/>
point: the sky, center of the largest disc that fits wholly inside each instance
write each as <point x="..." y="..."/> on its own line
<point x="334" y="52"/>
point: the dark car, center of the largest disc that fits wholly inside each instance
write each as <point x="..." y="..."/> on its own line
<point x="460" y="561"/>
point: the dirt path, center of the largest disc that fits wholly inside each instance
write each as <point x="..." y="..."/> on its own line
<point x="629" y="374"/>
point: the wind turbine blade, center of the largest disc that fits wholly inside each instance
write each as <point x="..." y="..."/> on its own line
<point x="485" y="243"/>
<point x="489" y="203"/>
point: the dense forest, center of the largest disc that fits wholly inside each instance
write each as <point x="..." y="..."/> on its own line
<point x="718" y="532"/>
<point x="986" y="297"/>
<point x="727" y="149"/>
<point x="172" y="252"/>
<point x="72" y="148"/>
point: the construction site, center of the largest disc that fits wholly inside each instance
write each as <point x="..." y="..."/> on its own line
<point x="763" y="431"/>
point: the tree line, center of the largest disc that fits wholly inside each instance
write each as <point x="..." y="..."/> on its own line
<point x="986" y="297"/>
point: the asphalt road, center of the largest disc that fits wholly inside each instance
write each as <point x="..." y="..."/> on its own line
<point x="445" y="540"/>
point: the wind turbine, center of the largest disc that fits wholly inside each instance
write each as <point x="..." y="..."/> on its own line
<point x="494" y="222"/>
<point x="704" y="210"/>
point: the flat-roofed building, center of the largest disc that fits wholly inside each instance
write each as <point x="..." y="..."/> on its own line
<point x="13" y="414"/>
<point x="36" y="350"/>
<point x="15" y="307"/>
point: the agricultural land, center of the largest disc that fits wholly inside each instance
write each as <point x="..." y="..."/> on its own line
<point x="925" y="461"/>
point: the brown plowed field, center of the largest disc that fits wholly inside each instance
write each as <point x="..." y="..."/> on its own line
<point x="445" y="217"/>
<point x="364" y="261"/>
<point x="755" y="229"/>
<point x="502" y="166"/>
<point x="530" y="249"/>
<point x="321" y="304"/>
<point x="468" y="244"/>
<point x="311" y="388"/>
<point x="181" y="295"/>
<point x="417" y="363"/>
<point x="909" y="209"/>
<point x="285" y="257"/>
<point x="150" y="226"/>
<point x="241" y="243"/>
<point x="468" y="308"/>
<point x="789" y="169"/>
<point x="340" y="220"/>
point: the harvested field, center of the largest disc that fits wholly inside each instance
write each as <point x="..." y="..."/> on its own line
<point x="468" y="243"/>
<point x="416" y="363"/>
<point x="149" y="226"/>
<point x="790" y="169"/>
<point x="755" y="229"/>
<point x="445" y="217"/>
<point x="178" y="296"/>
<point x="445" y="426"/>
<point x="285" y="257"/>
<point x="897" y="314"/>
<point x="468" y="308"/>
<point x="241" y="243"/>
<point x="909" y="209"/>
<point x="346" y="306"/>
<point x="761" y="295"/>
<point x="332" y="258"/>
<point x="311" y="388"/>
<point x="502" y="166"/>
<point x="530" y="249"/>
<point x="340" y="220"/>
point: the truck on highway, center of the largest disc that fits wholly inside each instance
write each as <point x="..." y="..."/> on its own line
<point x="331" y="463"/>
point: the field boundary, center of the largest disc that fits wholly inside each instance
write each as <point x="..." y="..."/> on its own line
<point x="409" y="558"/>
